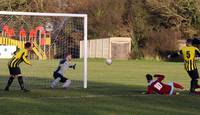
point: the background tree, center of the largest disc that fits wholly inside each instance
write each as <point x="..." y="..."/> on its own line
<point x="147" y="22"/>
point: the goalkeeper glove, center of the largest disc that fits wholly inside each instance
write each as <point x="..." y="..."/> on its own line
<point x="73" y="66"/>
<point x="169" y="56"/>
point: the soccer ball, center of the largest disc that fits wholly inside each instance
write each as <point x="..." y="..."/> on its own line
<point x="108" y="61"/>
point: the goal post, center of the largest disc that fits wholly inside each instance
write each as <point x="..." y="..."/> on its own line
<point x="85" y="51"/>
<point x="78" y="31"/>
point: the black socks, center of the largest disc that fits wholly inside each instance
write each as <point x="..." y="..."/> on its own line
<point x="21" y="82"/>
<point x="194" y="84"/>
<point x="10" y="80"/>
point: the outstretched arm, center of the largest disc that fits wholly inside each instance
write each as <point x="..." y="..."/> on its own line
<point x="159" y="76"/>
<point x="197" y="51"/>
<point x="25" y="60"/>
<point x="149" y="90"/>
<point x="72" y="66"/>
<point x="173" y="55"/>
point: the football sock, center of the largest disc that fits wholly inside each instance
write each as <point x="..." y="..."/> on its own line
<point x="73" y="66"/>
<point x="67" y="84"/>
<point x="10" y="80"/>
<point x="196" y="84"/>
<point x="176" y="85"/>
<point x="54" y="83"/>
<point x="193" y="85"/>
<point x="21" y="83"/>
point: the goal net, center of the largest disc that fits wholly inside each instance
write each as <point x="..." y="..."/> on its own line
<point x="53" y="35"/>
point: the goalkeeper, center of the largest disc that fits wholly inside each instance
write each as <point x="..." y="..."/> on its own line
<point x="58" y="75"/>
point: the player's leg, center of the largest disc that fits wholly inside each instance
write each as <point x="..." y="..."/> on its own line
<point x="21" y="83"/>
<point x="194" y="75"/>
<point x="172" y="92"/>
<point x="174" y="85"/>
<point x="66" y="82"/>
<point x="197" y="85"/>
<point x="11" y="78"/>
<point x="57" y="78"/>
<point x="192" y="85"/>
<point x="177" y="85"/>
<point x="192" y="82"/>
<point x="20" y="80"/>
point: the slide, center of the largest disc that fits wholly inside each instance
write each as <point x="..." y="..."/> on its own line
<point x="39" y="52"/>
<point x="20" y="44"/>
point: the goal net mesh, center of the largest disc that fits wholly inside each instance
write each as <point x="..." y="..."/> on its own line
<point x="52" y="37"/>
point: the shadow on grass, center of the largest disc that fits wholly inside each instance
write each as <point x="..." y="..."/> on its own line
<point x="42" y="87"/>
<point x="97" y="99"/>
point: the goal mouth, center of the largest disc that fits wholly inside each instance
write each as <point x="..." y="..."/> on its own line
<point x="51" y="34"/>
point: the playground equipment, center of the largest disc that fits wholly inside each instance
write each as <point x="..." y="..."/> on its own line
<point x="67" y="31"/>
<point x="40" y="39"/>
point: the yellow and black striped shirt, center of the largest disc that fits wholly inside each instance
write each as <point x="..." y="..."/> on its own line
<point x="189" y="53"/>
<point x="19" y="57"/>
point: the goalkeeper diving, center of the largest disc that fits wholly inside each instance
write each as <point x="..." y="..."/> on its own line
<point x="58" y="74"/>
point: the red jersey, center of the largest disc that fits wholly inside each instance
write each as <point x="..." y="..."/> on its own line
<point x="158" y="86"/>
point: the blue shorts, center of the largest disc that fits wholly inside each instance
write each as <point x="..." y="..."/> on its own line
<point x="172" y="88"/>
<point x="14" y="70"/>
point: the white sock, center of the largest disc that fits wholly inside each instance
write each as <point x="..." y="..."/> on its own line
<point x="67" y="84"/>
<point x="55" y="82"/>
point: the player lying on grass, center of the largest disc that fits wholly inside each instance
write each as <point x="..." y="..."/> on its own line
<point x="59" y="73"/>
<point x="13" y="65"/>
<point x="159" y="87"/>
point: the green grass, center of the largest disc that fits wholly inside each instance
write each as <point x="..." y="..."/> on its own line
<point x="112" y="90"/>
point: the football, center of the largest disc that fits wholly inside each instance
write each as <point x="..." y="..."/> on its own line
<point x="109" y="61"/>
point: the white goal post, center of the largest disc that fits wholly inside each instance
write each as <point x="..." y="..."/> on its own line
<point x="85" y="31"/>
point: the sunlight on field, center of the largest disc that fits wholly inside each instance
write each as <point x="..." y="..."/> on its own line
<point x="112" y="89"/>
<point x="42" y="69"/>
<point x="120" y="72"/>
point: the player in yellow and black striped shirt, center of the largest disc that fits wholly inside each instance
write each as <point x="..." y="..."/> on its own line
<point x="13" y="65"/>
<point x="189" y="53"/>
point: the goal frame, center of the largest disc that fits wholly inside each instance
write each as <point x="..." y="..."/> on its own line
<point x="85" y="23"/>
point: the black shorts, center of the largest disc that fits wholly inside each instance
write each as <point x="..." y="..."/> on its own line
<point x="194" y="74"/>
<point x="14" y="70"/>
<point x="57" y="75"/>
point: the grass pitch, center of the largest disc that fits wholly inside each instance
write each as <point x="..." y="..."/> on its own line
<point x="112" y="90"/>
